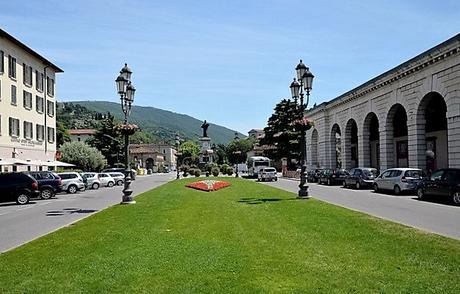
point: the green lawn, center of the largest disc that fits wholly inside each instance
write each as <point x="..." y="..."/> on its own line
<point x="247" y="238"/>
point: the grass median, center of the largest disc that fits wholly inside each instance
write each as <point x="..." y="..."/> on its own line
<point x="246" y="238"/>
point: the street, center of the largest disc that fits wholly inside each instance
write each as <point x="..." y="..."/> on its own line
<point x="436" y="217"/>
<point x="21" y="224"/>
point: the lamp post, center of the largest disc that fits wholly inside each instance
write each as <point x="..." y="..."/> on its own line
<point x="300" y="87"/>
<point x="126" y="91"/>
<point x="237" y="155"/>
<point x="177" y="156"/>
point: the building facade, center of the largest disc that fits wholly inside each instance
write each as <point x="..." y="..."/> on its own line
<point x="153" y="156"/>
<point x="81" y="135"/>
<point x="408" y="116"/>
<point x="27" y="103"/>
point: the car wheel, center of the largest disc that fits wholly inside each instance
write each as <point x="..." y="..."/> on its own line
<point x="119" y="182"/>
<point x="376" y="188"/>
<point x="95" y="186"/>
<point x="22" y="198"/>
<point x="358" y="185"/>
<point x="344" y="184"/>
<point x="420" y="194"/>
<point x="72" y="189"/>
<point x="456" y="198"/>
<point x="110" y="184"/>
<point x="46" y="194"/>
<point x="328" y="182"/>
<point x="396" y="190"/>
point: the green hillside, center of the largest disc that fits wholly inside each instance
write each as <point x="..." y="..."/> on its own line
<point x="162" y="123"/>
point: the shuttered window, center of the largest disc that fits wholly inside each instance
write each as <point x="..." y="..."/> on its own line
<point x="40" y="132"/>
<point x="27" y="99"/>
<point x="11" y="67"/>
<point x="14" y="100"/>
<point x="28" y="130"/>
<point x="14" y="127"/>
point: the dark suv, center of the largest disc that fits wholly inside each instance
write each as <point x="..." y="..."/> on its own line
<point x="443" y="182"/>
<point x="17" y="187"/>
<point x="332" y="176"/>
<point x="360" y="177"/>
<point x="49" y="183"/>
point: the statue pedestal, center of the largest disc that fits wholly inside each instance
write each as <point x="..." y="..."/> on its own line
<point x="205" y="150"/>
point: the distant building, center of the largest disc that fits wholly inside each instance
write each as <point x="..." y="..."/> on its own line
<point x="27" y="105"/>
<point x="81" y="135"/>
<point x="256" y="135"/>
<point x="153" y="156"/>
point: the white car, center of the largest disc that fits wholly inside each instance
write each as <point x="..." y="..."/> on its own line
<point x="118" y="177"/>
<point x="267" y="174"/>
<point x="106" y="180"/>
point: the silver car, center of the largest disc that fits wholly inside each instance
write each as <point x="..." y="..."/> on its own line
<point x="72" y="182"/>
<point x="398" y="180"/>
<point x="106" y="179"/>
<point x="92" y="180"/>
<point x="267" y="174"/>
<point x="119" y="178"/>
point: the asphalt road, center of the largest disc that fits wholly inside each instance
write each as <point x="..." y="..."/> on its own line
<point x="21" y="224"/>
<point x="438" y="217"/>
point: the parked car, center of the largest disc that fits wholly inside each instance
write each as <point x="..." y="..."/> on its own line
<point x="267" y="174"/>
<point x="360" y="177"/>
<point x="72" y="182"/>
<point x="332" y="176"/>
<point x="106" y="179"/>
<point x="442" y="182"/>
<point x="49" y="183"/>
<point x="313" y="175"/>
<point x="120" y="170"/>
<point x="118" y="177"/>
<point x="18" y="187"/>
<point x="92" y="180"/>
<point x="398" y="180"/>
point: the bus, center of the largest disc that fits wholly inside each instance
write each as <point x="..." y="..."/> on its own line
<point x="256" y="163"/>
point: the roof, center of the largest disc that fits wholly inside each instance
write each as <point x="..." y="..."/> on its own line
<point x="18" y="43"/>
<point x="82" y="132"/>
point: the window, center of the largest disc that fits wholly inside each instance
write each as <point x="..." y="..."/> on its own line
<point x="27" y="99"/>
<point x="50" y="135"/>
<point x="40" y="131"/>
<point x="50" y="86"/>
<point x="50" y="108"/>
<point x="436" y="176"/>
<point x="39" y="104"/>
<point x="14" y="127"/>
<point x="39" y="79"/>
<point x="11" y="67"/>
<point x="27" y="74"/>
<point x="2" y="62"/>
<point x="28" y="131"/>
<point x="13" y="95"/>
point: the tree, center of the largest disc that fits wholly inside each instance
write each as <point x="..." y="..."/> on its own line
<point x="141" y="137"/>
<point x="280" y="132"/>
<point x="62" y="135"/>
<point x="237" y="150"/>
<point x="108" y="141"/>
<point x="189" y="150"/>
<point x="83" y="156"/>
<point x="221" y="154"/>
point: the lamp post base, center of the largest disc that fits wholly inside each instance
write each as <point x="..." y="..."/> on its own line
<point x="303" y="193"/>
<point x="127" y="192"/>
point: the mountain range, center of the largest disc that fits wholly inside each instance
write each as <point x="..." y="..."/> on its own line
<point x="163" y="124"/>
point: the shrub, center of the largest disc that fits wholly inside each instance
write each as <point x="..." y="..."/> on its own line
<point x="224" y="168"/>
<point x="215" y="171"/>
<point x="229" y="171"/>
<point x="197" y="172"/>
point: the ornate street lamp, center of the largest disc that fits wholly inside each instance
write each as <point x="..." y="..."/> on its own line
<point x="298" y="87"/>
<point x="126" y="91"/>
<point x="177" y="156"/>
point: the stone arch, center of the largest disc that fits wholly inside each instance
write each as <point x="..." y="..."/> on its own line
<point x="336" y="146"/>
<point x="371" y="141"/>
<point x="314" y="148"/>
<point x="396" y="139"/>
<point x="351" y="143"/>
<point x="431" y="132"/>
<point x="149" y="163"/>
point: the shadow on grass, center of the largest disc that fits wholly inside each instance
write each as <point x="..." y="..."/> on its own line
<point x="69" y="211"/>
<point x="252" y="201"/>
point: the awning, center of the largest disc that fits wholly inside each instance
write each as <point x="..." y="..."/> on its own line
<point x="59" y="163"/>
<point x="13" y="161"/>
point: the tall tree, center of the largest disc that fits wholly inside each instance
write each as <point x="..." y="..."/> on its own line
<point x="62" y="135"/>
<point x="189" y="151"/>
<point x="108" y="141"/>
<point x="280" y="132"/>
<point x="237" y="150"/>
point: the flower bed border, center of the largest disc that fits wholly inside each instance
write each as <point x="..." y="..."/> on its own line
<point x="208" y="185"/>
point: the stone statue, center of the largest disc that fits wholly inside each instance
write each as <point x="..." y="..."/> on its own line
<point x="205" y="127"/>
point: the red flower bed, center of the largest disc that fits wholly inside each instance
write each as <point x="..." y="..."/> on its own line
<point x="208" y="185"/>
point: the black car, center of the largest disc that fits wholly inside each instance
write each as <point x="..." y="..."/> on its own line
<point x="442" y="182"/>
<point x="360" y="177"/>
<point x="333" y="176"/>
<point x="49" y="183"/>
<point x="313" y="175"/>
<point x="17" y="187"/>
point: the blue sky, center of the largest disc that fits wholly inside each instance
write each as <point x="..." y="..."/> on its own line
<point x="228" y="62"/>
